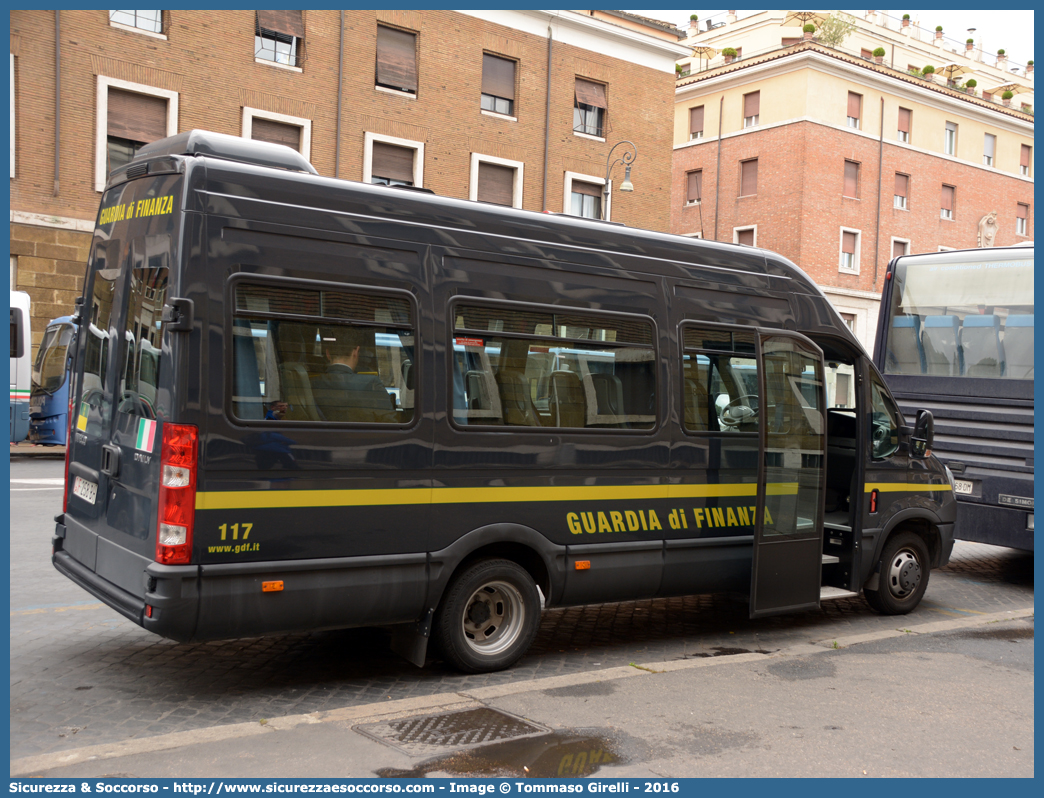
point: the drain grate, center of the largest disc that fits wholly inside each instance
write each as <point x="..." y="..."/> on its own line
<point x="433" y="734"/>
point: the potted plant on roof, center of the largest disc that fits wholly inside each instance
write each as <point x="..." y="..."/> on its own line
<point x="729" y="53"/>
<point x="970" y="86"/>
<point x="938" y="31"/>
<point x="1006" y="99"/>
<point x="694" y="22"/>
<point x="906" y="20"/>
<point x="879" y="54"/>
<point x="1029" y="67"/>
<point x="1002" y="60"/>
<point x="808" y="30"/>
<point x="929" y="73"/>
<point x="969" y="45"/>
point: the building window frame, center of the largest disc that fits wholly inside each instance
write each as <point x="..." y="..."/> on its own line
<point x="897" y="240"/>
<point x="699" y="180"/>
<point x="136" y="28"/>
<point x="517" y="185"/>
<point x="1025" y="149"/>
<point x="848" y="263"/>
<point x="854" y="122"/>
<point x="493" y="100"/>
<point x="583" y="113"/>
<point x="858" y="174"/>
<point x="753" y="119"/>
<point x="567" y="205"/>
<point x="903" y="136"/>
<point x="948" y="214"/>
<point x="101" y="129"/>
<point x="950" y="139"/>
<point x="1022" y="222"/>
<point x="418" y="156"/>
<point x="987" y="158"/>
<point x="743" y="228"/>
<point x="747" y="161"/>
<point x="250" y="114"/>
<point x="293" y="59"/>
<point x="901" y="202"/>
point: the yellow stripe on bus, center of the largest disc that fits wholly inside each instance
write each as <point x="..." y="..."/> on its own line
<point x="240" y="500"/>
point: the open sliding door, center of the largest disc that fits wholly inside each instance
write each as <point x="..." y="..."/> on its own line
<point x="788" y="539"/>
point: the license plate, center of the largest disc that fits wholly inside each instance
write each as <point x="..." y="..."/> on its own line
<point x="87" y="491"/>
<point x="962" y="486"/>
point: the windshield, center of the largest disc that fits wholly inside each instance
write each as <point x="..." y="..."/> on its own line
<point x="49" y="369"/>
<point x="967" y="314"/>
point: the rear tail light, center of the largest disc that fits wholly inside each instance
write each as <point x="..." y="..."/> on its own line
<point x="177" y="494"/>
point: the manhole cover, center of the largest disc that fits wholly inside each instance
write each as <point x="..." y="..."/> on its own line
<point x="433" y="734"/>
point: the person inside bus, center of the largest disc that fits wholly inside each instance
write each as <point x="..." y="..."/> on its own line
<point x="344" y="394"/>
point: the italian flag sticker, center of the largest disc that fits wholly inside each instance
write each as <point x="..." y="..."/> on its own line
<point x="146" y="435"/>
<point x="81" y="420"/>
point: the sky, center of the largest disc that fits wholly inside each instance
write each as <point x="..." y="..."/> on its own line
<point x="1010" y="30"/>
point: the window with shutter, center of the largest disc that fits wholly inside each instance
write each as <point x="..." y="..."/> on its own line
<point x="1024" y="160"/>
<point x="851" y="179"/>
<point x="989" y="149"/>
<point x="1021" y="219"/>
<point x="278" y="37"/>
<point x="751" y="108"/>
<point x="855" y="102"/>
<point x="745" y="236"/>
<point x="496" y="184"/>
<point x="899" y="248"/>
<point x="904" y="124"/>
<point x="498" y="85"/>
<point x="396" y="59"/>
<point x="867" y="54"/>
<point x="694" y="187"/>
<point x="946" y="202"/>
<point x="849" y="251"/>
<point x="589" y="108"/>
<point x="586" y="200"/>
<point x="902" y="185"/>
<point x="696" y="123"/>
<point x="748" y="177"/>
<point x="391" y="165"/>
<point x="275" y="132"/>
<point x="133" y="120"/>
<point x="950" y="141"/>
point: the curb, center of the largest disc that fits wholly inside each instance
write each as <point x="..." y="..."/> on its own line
<point x="466" y="699"/>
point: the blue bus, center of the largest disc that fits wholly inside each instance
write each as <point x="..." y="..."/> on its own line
<point x="21" y="344"/>
<point x="955" y="337"/>
<point x="49" y="402"/>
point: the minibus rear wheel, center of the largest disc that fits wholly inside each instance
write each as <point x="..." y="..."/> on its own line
<point x="488" y="616"/>
<point x="903" y="577"/>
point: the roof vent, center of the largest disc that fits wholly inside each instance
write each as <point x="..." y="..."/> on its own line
<point x="229" y="148"/>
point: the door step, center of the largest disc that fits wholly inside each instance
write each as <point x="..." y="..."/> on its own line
<point x="829" y="593"/>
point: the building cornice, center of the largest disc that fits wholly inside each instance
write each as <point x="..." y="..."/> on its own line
<point x="590" y="33"/>
<point x="868" y="75"/>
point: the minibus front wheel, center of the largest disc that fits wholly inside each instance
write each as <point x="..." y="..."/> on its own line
<point x="488" y="616"/>
<point x="903" y="577"/>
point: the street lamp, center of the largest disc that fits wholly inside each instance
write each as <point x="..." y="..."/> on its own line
<point x="626" y="159"/>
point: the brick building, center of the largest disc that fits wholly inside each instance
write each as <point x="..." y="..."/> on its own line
<point x="515" y="107"/>
<point x="838" y="162"/>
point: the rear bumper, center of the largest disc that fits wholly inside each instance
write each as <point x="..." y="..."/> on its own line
<point x="124" y="603"/>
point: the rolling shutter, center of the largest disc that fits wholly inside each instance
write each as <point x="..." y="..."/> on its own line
<point x="1024" y="158"/>
<point x="394" y="163"/>
<point x="290" y="23"/>
<point x="590" y="189"/>
<point x="898" y="249"/>
<point x="396" y="58"/>
<point x="138" y="117"/>
<point x="749" y="177"/>
<point x="904" y="120"/>
<point x="854" y="103"/>
<point x="498" y="77"/>
<point x="851" y="179"/>
<point x="751" y="104"/>
<point x="275" y="132"/>
<point x="694" y="188"/>
<point x="902" y="183"/>
<point x="496" y="184"/>
<point x="946" y="201"/>
<point x="1023" y="211"/>
<point x="989" y="146"/>
<point x="745" y="237"/>
<point x="695" y="120"/>
<point x="588" y="93"/>
<point x="848" y="242"/>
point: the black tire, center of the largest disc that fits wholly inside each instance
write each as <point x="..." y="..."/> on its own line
<point x="488" y="616"/>
<point x="904" y="575"/>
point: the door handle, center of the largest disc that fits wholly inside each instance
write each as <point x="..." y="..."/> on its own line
<point x="111" y="460"/>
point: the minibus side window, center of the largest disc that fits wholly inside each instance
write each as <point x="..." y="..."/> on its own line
<point x="94" y="413"/>
<point x="719" y="380"/>
<point x="884" y="421"/>
<point x="321" y="355"/>
<point x="549" y="367"/>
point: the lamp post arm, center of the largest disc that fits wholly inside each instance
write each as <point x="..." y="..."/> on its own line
<point x="626" y="158"/>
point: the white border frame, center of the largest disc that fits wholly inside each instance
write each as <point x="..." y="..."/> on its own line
<point x="891" y="246"/>
<point x="516" y="188"/>
<point x="858" y="252"/>
<point x="250" y="114"/>
<point x="102" y="118"/>
<point x="598" y="181"/>
<point x="418" y="156"/>
<point x="742" y="229"/>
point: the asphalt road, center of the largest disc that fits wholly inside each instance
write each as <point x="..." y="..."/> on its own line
<point x="81" y="675"/>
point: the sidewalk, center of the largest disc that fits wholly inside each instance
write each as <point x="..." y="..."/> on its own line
<point x="948" y="698"/>
<point x="34" y="450"/>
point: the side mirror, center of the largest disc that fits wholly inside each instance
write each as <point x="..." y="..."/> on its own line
<point x="923" y="434"/>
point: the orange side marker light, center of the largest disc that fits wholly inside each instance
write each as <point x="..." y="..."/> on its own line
<point x="582" y="565"/>
<point x="271" y="587"/>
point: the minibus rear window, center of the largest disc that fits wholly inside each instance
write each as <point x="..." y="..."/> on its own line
<point x="321" y="355"/>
